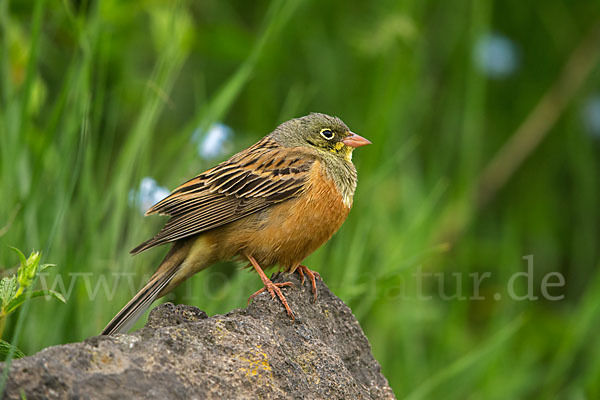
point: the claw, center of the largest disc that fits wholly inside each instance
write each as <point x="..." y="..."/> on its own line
<point x="301" y="275"/>
<point x="312" y="275"/>
<point x="272" y="288"/>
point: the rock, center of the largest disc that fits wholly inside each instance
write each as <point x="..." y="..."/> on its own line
<point x="252" y="353"/>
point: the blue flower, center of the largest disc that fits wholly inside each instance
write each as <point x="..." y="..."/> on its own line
<point x="591" y="115"/>
<point x="214" y="143"/>
<point x="148" y="194"/>
<point x="495" y="55"/>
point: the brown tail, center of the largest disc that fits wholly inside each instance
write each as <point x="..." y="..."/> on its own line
<point x="134" y="309"/>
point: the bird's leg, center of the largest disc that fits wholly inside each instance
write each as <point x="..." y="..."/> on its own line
<point x="312" y="275"/>
<point x="272" y="288"/>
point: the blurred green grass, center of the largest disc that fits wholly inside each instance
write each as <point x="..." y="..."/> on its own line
<point x="97" y="95"/>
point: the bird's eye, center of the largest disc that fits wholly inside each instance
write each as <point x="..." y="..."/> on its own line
<point x="327" y="134"/>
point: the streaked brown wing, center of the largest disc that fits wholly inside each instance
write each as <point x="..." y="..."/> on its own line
<point x="248" y="182"/>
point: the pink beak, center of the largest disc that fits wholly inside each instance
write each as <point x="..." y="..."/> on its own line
<point x="355" y="140"/>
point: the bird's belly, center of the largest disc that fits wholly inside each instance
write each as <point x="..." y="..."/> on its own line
<point x="285" y="234"/>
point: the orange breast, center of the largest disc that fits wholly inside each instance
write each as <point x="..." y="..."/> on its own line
<point x="287" y="233"/>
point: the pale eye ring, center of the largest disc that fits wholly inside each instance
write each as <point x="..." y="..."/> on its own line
<point x="327" y="133"/>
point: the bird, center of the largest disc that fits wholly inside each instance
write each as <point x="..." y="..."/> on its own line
<point x="272" y="204"/>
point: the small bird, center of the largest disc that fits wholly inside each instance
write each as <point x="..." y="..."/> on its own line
<point x="272" y="204"/>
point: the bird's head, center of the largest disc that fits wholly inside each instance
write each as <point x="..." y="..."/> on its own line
<point x="321" y="132"/>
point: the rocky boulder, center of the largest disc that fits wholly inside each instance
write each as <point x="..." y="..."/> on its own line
<point x="252" y="353"/>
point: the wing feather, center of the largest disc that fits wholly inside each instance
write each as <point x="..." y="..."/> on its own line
<point x="249" y="182"/>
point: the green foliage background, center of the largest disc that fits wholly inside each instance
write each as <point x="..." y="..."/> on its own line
<point x="97" y="95"/>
